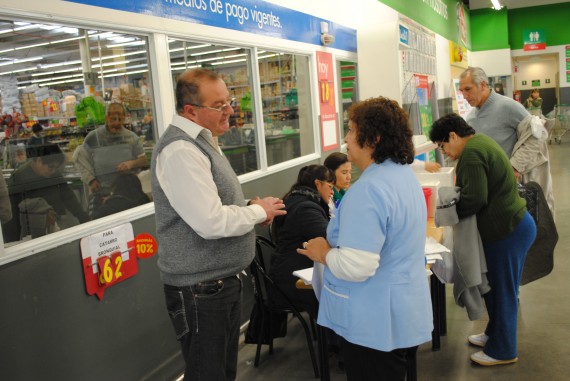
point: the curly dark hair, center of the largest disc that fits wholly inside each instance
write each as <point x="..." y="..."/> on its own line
<point x="442" y="127"/>
<point x="384" y="126"/>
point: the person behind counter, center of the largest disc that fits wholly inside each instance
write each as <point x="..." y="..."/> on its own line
<point x="37" y="137"/>
<point x="375" y="294"/>
<point x="307" y="217"/>
<point x="108" y="151"/>
<point x="41" y="196"/>
<point x="534" y="100"/>
<point x="488" y="190"/>
<point x="126" y="193"/>
<point x="339" y="165"/>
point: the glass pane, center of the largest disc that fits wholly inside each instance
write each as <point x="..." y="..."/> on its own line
<point x="285" y="92"/>
<point x="239" y="143"/>
<point x="64" y="158"/>
<point x="349" y="91"/>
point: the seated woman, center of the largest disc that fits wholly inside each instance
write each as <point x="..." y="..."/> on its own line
<point x="307" y="217"/>
<point x="339" y="165"/>
<point x="126" y="193"/>
<point x="41" y="197"/>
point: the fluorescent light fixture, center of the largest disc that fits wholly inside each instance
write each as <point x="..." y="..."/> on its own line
<point x="496" y="5"/>
<point x="228" y="62"/>
<point x="60" y="64"/>
<point x="134" y="43"/>
<point x="22" y="60"/>
<point x="127" y="73"/>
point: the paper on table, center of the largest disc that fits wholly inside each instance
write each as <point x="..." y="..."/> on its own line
<point x="432" y="247"/>
<point x="305" y="274"/>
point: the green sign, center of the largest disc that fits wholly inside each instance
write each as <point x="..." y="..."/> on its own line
<point x="567" y="50"/>
<point x="567" y="62"/>
<point x="568" y="76"/>
<point x="536" y="83"/>
<point x="524" y="83"/>
<point x="534" y="36"/>
<point x="448" y="18"/>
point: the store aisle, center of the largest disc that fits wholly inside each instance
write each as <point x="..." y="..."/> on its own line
<point x="544" y="323"/>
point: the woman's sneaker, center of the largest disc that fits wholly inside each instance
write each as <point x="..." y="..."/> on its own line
<point x="482" y="359"/>
<point x="479" y="340"/>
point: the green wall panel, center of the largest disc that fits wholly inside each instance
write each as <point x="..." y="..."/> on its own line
<point x="440" y="16"/>
<point x="553" y="19"/>
<point x="489" y="29"/>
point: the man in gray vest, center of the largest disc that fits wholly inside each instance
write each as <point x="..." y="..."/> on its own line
<point x="205" y="229"/>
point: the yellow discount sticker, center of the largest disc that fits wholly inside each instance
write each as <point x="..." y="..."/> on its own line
<point x="145" y="245"/>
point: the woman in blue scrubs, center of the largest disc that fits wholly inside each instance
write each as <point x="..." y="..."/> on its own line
<point x="375" y="292"/>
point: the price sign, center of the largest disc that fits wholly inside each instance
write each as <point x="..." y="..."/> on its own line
<point x="145" y="245"/>
<point x="110" y="269"/>
<point x="109" y="257"/>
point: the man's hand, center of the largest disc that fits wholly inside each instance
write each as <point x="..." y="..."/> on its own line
<point x="518" y="175"/>
<point x="95" y="186"/>
<point x="273" y="207"/>
<point x="125" y="166"/>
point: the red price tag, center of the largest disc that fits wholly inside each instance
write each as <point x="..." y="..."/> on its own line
<point x="145" y="245"/>
<point x="110" y="269"/>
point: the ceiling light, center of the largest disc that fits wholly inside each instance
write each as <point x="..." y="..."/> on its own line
<point x="21" y="60"/>
<point x="496" y="5"/>
<point x="135" y="43"/>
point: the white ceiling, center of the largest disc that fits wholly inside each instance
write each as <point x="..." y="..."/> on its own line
<point x="512" y="4"/>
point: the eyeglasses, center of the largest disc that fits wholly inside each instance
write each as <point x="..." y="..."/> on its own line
<point x="221" y="108"/>
<point x="330" y="185"/>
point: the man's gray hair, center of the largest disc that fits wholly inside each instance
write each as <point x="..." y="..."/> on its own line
<point x="477" y="75"/>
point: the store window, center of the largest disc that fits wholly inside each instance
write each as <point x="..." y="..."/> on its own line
<point x="77" y="122"/>
<point x="287" y="128"/>
<point x="233" y="64"/>
<point x="348" y="95"/>
<point x="285" y="94"/>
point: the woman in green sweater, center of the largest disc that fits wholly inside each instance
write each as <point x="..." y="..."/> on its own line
<point x="489" y="191"/>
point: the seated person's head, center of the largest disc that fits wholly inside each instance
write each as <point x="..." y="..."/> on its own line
<point x="339" y="165"/>
<point x="46" y="159"/>
<point x="128" y="185"/>
<point x="37" y="129"/>
<point x="317" y="177"/>
<point x="115" y="117"/>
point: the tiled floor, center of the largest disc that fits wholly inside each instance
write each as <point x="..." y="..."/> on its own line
<point x="544" y="323"/>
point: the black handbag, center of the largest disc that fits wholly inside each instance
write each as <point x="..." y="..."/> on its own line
<point x="273" y="324"/>
<point x="540" y="257"/>
<point x="530" y="194"/>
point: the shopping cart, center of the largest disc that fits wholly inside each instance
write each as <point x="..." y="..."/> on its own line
<point x="561" y="123"/>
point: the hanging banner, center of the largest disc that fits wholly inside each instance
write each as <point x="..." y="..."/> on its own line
<point x="327" y="103"/>
<point x="251" y="16"/>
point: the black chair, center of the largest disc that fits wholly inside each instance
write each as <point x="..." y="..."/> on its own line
<point x="263" y="287"/>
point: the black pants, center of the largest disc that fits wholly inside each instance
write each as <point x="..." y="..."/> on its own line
<point x="367" y="364"/>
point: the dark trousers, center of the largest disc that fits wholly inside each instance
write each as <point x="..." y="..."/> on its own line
<point x="367" y="364"/>
<point x="505" y="261"/>
<point x="206" y="319"/>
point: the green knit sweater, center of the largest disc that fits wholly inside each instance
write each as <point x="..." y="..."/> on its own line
<point x="488" y="189"/>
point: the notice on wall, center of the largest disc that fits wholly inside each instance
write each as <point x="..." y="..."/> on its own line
<point x="327" y="101"/>
<point x="463" y="107"/>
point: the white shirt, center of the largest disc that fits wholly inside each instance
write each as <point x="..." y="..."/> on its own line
<point x="184" y="174"/>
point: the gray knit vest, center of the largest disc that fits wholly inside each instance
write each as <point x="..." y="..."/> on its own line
<point x="185" y="258"/>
